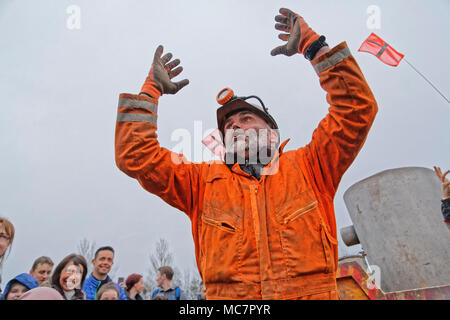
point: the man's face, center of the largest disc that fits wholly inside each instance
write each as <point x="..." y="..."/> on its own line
<point x="246" y="134"/>
<point x="160" y="278"/>
<point x="42" y="272"/>
<point x="103" y="262"/>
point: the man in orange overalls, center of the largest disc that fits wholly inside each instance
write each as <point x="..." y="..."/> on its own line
<point x="264" y="229"/>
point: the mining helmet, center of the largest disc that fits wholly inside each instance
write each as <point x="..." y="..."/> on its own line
<point x="231" y="103"/>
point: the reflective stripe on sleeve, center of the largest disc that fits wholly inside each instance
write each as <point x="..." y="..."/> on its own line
<point x="136" y="117"/>
<point x="332" y="60"/>
<point x="140" y="104"/>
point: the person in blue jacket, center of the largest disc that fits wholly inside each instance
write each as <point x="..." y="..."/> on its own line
<point x="102" y="262"/>
<point x="18" y="286"/>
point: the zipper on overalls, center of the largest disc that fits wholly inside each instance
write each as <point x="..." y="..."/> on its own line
<point x="255" y="216"/>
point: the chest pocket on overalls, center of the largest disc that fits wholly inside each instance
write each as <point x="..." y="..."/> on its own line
<point x="305" y="239"/>
<point x="219" y="207"/>
<point x="220" y="231"/>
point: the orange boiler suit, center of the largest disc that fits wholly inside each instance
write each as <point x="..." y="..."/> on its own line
<point x="273" y="238"/>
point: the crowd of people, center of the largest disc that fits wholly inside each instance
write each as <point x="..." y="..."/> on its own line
<point x="69" y="279"/>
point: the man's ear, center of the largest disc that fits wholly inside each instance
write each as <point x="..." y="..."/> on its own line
<point x="31" y="272"/>
<point x="93" y="262"/>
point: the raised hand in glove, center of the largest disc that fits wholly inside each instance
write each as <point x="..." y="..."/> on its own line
<point x="299" y="35"/>
<point x="445" y="183"/>
<point x="159" y="79"/>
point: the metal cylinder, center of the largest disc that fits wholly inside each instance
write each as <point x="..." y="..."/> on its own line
<point x="397" y="214"/>
<point x="349" y="236"/>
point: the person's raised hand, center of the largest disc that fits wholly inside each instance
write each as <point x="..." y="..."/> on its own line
<point x="163" y="70"/>
<point x="445" y="183"/>
<point x="298" y="34"/>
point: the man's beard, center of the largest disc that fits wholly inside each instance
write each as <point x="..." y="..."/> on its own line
<point x="249" y="147"/>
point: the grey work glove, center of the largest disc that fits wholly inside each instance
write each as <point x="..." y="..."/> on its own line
<point x="159" y="79"/>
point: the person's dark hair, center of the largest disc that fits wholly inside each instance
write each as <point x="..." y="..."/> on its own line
<point x="107" y="286"/>
<point x="77" y="260"/>
<point x="168" y="271"/>
<point x="103" y="248"/>
<point x="41" y="260"/>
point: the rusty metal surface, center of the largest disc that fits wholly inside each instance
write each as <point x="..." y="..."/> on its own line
<point x="352" y="282"/>
<point x="361" y="286"/>
<point x="436" y="293"/>
<point x="398" y="220"/>
<point x="349" y="289"/>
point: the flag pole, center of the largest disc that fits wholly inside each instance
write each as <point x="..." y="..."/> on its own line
<point x="426" y="80"/>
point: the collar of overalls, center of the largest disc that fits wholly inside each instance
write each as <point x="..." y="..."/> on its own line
<point x="259" y="169"/>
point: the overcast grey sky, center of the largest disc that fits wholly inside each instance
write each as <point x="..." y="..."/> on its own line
<point x="58" y="178"/>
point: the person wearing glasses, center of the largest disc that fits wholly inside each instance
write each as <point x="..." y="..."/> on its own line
<point x="6" y="240"/>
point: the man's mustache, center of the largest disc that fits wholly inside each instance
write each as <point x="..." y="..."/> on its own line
<point x="244" y="133"/>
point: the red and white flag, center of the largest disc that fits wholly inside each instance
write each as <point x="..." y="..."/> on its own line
<point x="379" y="48"/>
<point x="214" y="143"/>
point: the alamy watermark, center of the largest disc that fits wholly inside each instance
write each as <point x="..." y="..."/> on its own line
<point x="374" y="19"/>
<point x="73" y="21"/>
